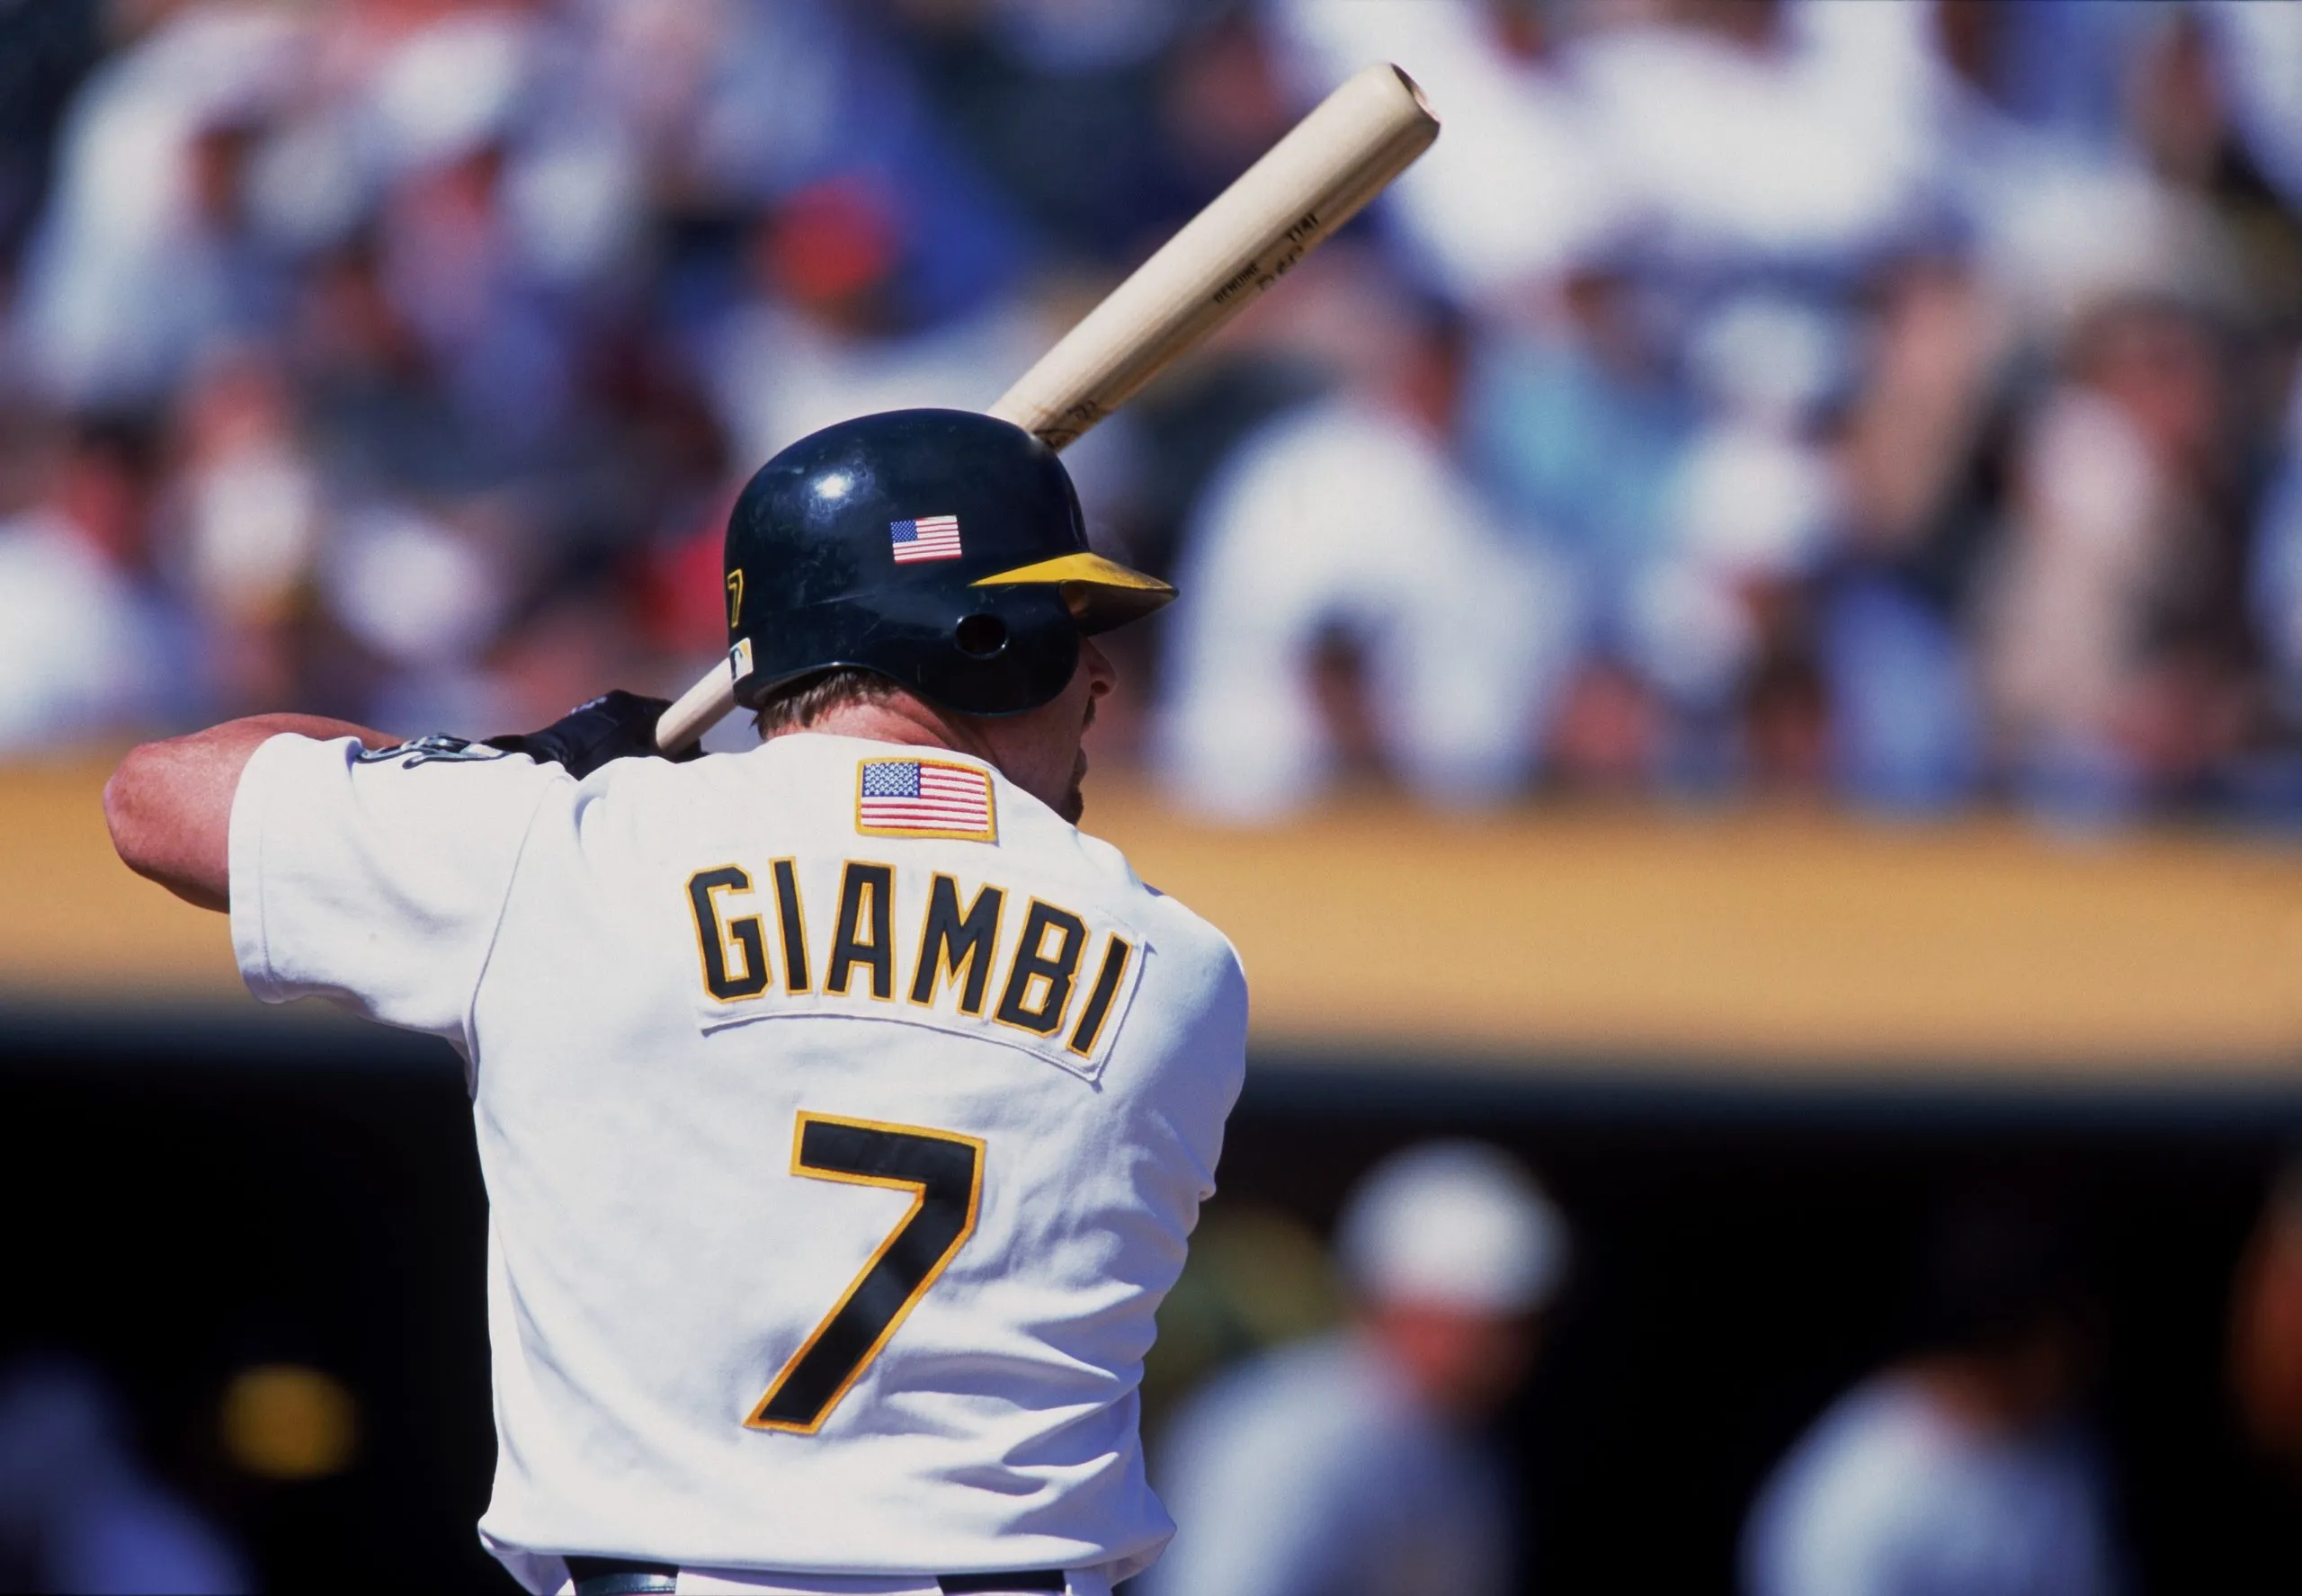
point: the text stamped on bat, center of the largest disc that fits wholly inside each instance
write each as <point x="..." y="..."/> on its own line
<point x="1254" y="273"/>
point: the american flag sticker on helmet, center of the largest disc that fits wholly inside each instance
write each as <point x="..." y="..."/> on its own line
<point x="931" y="537"/>
<point x="924" y="798"/>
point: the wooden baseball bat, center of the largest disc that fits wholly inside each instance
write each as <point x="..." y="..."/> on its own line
<point x="1317" y="178"/>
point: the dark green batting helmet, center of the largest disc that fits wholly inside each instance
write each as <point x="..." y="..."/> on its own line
<point x="939" y="549"/>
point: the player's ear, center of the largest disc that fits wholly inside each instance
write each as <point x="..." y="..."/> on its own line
<point x="1102" y="675"/>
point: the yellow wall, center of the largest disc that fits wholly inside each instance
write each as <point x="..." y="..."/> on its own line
<point x="1791" y="943"/>
<point x="1768" y="943"/>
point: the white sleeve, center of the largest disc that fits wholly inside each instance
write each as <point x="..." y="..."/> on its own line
<point x="378" y="878"/>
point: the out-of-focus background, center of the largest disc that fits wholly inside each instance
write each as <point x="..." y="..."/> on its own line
<point x="1741" y="645"/>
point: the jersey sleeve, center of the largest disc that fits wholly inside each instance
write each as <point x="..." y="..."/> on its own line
<point x="378" y="878"/>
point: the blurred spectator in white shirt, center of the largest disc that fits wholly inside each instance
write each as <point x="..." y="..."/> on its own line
<point x="249" y="518"/>
<point x="1350" y="1465"/>
<point x="485" y="223"/>
<point x="1960" y="1471"/>
<point x="2106" y="653"/>
<point x="1348" y="517"/>
<point x="1918" y="454"/>
<point x="148" y="250"/>
<point x="1774" y="131"/>
<point x="1717" y="133"/>
<point x="1518" y="187"/>
<point x="82" y="651"/>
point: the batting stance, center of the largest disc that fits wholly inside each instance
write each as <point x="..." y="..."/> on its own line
<point x="843" y="1110"/>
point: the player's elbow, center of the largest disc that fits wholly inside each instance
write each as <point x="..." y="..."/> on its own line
<point x="145" y="804"/>
<point x="128" y="807"/>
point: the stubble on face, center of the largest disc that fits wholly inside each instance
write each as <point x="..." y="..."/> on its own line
<point x="1075" y="800"/>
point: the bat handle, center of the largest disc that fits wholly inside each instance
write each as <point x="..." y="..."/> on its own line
<point x="696" y="710"/>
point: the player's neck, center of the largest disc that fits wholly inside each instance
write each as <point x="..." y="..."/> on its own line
<point x="901" y="719"/>
<point x="1037" y="750"/>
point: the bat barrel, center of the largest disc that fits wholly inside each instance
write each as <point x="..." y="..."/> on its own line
<point x="1303" y="190"/>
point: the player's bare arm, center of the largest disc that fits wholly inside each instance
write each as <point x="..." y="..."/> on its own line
<point x="169" y="805"/>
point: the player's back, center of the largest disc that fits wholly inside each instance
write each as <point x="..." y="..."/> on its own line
<point x="844" y="1113"/>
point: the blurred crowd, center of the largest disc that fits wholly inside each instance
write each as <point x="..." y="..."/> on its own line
<point x="1896" y="404"/>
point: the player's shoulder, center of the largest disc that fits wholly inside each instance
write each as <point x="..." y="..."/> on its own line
<point x="1183" y="925"/>
<point x="1201" y="967"/>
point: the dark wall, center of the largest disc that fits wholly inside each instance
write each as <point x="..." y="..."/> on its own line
<point x="187" y="1198"/>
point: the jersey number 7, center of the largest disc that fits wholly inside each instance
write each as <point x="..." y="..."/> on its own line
<point x="943" y="1173"/>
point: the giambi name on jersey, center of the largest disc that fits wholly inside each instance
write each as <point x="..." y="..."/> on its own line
<point x="915" y="946"/>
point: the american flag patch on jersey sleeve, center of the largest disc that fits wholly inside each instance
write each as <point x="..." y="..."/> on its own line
<point x="923" y="798"/>
<point x="931" y="537"/>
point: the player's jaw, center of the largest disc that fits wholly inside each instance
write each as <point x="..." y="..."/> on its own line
<point x="1094" y="678"/>
<point x="1040" y="750"/>
<point x="1075" y="801"/>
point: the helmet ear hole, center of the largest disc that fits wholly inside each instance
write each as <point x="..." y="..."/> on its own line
<point x="981" y="637"/>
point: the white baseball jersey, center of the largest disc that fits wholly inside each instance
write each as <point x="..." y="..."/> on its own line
<point x="844" y="1113"/>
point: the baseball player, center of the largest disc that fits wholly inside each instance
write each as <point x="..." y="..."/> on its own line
<point x="843" y="1110"/>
